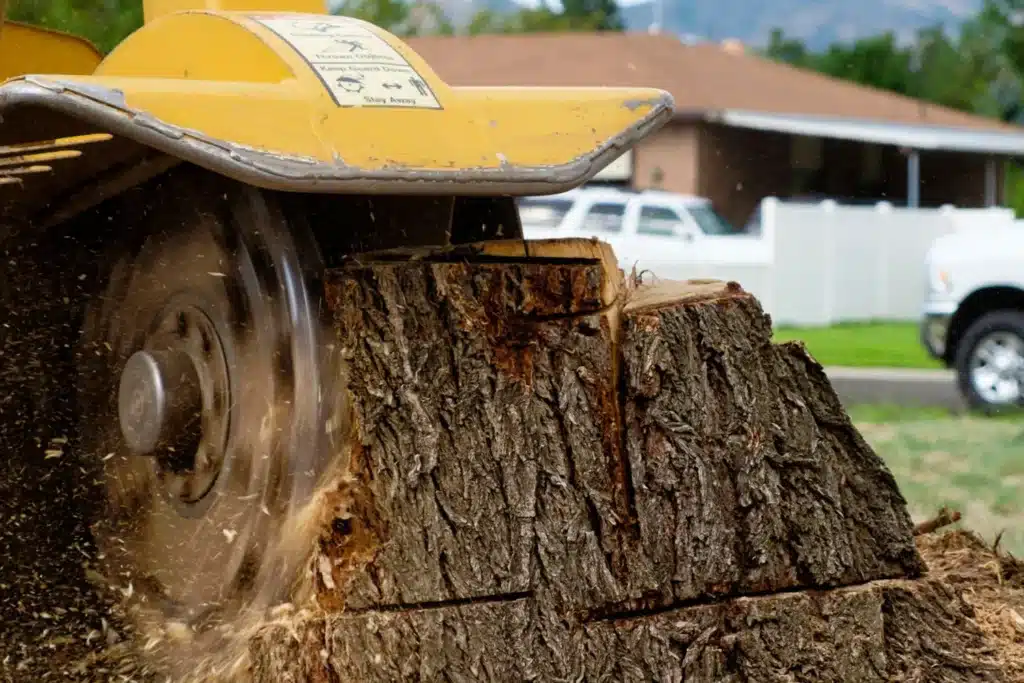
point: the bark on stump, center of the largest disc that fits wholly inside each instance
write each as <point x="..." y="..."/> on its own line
<point x="559" y="477"/>
<point x="883" y="631"/>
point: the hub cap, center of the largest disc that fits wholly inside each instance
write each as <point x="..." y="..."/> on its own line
<point x="172" y="405"/>
<point x="159" y="400"/>
<point x="997" y="369"/>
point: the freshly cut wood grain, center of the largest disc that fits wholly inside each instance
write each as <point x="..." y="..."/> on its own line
<point x="896" y="630"/>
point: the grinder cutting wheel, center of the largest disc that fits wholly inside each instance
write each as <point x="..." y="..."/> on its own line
<point x="210" y="400"/>
<point x="209" y="394"/>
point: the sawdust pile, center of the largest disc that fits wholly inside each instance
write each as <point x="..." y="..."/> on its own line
<point x="146" y="649"/>
<point x="992" y="582"/>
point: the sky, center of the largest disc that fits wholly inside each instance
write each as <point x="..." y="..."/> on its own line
<point x="555" y="4"/>
<point x="958" y="7"/>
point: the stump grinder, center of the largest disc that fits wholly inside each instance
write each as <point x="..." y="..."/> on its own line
<point x="210" y="168"/>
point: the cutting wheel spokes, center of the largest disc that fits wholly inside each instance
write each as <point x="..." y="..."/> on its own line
<point x="211" y="385"/>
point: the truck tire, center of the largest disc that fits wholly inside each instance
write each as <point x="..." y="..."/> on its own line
<point x="993" y="384"/>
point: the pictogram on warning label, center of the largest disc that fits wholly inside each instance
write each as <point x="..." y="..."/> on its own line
<point x="359" y="68"/>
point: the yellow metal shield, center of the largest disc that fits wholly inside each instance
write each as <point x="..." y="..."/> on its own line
<point x="320" y="103"/>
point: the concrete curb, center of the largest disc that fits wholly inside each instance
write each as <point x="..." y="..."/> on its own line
<point x="896" y="386"/>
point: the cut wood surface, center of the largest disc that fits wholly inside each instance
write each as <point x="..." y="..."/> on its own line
<point x="559" y="475"/>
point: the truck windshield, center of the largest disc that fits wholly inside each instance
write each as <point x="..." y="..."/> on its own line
<point x="711" y="222"/>
<point x="538" y="212"/>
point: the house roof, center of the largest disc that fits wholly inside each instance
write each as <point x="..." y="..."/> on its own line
<point x="702" y="78"/>
<point x="919" y="136"/>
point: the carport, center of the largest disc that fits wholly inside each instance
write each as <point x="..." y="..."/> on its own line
<point x="911" y="141"/>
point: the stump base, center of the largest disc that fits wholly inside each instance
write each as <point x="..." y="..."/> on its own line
<point x="559" y="475"/>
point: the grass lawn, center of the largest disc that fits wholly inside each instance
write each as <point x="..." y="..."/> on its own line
<point x="893" y="345"/>
<point x="972" y="464"/>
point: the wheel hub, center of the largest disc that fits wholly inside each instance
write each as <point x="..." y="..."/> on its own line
<point x="172" y="405"/>
<point x="997" y="369"/>
<point x="160" y="403"/>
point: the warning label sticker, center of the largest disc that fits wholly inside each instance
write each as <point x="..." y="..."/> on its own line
<point x="359" y="68"/>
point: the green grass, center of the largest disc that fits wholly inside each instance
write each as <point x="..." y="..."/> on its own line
<point x="887" y="414"/>
<point x="894" y="345"/>
<point x="971" y="464"/>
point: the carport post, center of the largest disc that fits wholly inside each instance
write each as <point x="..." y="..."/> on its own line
<point x="991" y="178"/>
<point x="913" y="179"/>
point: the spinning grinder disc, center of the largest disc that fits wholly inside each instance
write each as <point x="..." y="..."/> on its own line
<point x="210" y="395"/>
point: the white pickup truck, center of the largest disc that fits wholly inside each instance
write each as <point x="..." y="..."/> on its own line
<point x="973" y="315"/>
<point x="661" y="232"/>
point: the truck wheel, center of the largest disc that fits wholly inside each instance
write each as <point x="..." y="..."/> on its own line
<point x="990" y="362"/>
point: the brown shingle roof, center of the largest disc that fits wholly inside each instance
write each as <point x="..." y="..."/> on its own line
<point x="701" y="77"/>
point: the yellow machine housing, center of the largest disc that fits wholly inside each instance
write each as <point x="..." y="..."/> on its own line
<point x="295" y="100"/>
<point x="31" y="49"/>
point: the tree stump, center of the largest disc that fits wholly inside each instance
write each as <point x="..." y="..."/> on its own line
<point x="560" y="475"/>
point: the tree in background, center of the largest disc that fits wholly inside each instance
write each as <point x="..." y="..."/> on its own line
<point x="999" y="27"/>
<point x="525" y="20"/>
<point x="593" y="15"/>
<point x="934" y="68"/>
<point x="575" y="15"/>
<point x="978" y="70"/>
<point x="789" y="50"/>
<point x="104" y="23"/>
<point x="1003" y="20"/>
<point x="399" y="17"/>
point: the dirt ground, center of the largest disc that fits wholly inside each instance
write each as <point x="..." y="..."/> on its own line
<point x="53" y="619"/>
<point x="992" y="582"/>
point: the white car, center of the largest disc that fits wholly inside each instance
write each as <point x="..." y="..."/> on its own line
<point x="656" y="230"/>
<point x="973" y="316"/>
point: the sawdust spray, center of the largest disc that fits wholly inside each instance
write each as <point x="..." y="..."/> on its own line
<point x="164" y="650"/>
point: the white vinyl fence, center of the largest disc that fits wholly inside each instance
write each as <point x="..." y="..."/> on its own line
<point x="827" y="263"/>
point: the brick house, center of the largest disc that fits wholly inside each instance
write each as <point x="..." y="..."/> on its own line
<point x="746" y="127"/>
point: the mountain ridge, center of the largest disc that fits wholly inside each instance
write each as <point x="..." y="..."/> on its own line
<point x="818" y="23"/>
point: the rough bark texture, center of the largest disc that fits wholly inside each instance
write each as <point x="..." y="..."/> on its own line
<point x="748" y="475"/>
<point x="885" y="631"/>
<point x="487" y="415"/>
<point x="494" y="460"/>
<point x="551" y="487"/>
